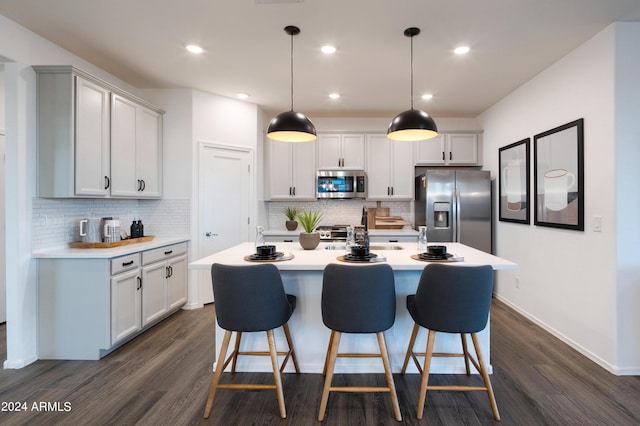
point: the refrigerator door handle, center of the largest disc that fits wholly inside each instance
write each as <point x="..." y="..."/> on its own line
<point x="456" y="230"/>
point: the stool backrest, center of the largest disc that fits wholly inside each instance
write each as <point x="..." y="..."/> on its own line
<point x="358" y="299"/>
<point x="454" y="299"/>
<point x="249" y="298"/>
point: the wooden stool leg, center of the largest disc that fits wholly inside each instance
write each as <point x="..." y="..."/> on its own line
<point x="485" y="377"/>
<point x="334" y="342"/>
<point x="235" y="352"/>
<point x="276" y="372"/>
<point x="216" y="375"/>
<point x="425" y="373"/>
<point x="387" y="372"/>
<point x="412" y="342"/>
<point x="465" y="352"/>
<point x="326" y="358"/>
<point x="287" y="334"/>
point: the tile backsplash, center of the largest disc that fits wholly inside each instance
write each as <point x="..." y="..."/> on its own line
<point x="56" y="221"/>
<point x="336" y="212"/>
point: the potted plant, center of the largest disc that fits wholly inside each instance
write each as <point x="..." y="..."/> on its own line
<point x="290" y="223"/>
<point x="309" y="220"/>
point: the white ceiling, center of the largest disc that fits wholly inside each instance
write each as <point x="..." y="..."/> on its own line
<point x="142" y="42"/>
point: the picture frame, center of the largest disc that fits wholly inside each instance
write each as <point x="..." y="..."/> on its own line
<point x="559" y="177"/>
<point x="514" y="182"/>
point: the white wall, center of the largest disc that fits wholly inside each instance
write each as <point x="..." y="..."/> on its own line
<point x="569" y="279"/>
<point x="627" y="92"/>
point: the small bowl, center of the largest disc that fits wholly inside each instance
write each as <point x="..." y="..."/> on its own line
<point x="437" y="250"/>
<point x="265" y="250"/>
<point x="359" y="251"/>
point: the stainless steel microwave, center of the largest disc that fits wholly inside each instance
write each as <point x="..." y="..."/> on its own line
<point x="341" y="184"/>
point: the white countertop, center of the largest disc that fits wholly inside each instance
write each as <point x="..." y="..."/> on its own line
<point x="372" y="232"/>
<point x="105" y="253"/>
<point x="310" y="260"/>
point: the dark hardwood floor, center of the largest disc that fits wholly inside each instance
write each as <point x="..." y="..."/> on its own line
<point x="163" y="376"/>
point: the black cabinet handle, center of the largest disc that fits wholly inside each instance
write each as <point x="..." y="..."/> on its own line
<point x="442" y="155"/>
<point x="167" y="253"/>
<point x="139" y="184"/>
<point x="170" y="271"/>
<point x="450" y="156"/>
<point x="127" y="263"/>
<point x="167" y="272"/>
<point x="288" y="241"/>
<point x="290" y="191"/>
<point x="144" y="185"/>
<point x="107" y="182"/>
<point x="294" y="191"/>
<point x="393" y="241"/>
<point x="139" y="283"/>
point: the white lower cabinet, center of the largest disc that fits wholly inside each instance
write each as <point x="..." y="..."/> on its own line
<point x="89" y="307"/>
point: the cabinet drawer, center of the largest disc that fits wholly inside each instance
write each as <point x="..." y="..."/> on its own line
<point x="125" y="263"/>
<point x="165" y="252"/>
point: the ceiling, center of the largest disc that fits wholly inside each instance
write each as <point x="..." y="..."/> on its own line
<point x="246" y="49"/>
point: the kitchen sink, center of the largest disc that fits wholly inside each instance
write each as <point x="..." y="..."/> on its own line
<point x="371" y="247"/>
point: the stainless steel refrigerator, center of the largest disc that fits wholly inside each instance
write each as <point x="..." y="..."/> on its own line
<point x="455" y="205"/>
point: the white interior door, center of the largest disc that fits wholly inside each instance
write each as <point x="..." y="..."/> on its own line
<point x="3" y="274"/>
<point x="225" y="203"/>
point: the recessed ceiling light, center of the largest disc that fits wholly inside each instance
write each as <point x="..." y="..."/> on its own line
<point x="194" y="49"/>
<point x="242" y="95"/>
<point x="334" y="95"/>
<point x="461" y="50"/>
<point x="328" y="49"/>
<point x="427" y="96"/>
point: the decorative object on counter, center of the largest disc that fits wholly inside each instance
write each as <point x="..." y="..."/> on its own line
<point x="259" y="236"/>
<point x="90" y="230"/>
<point x="309" y="220"/>
<point x="80" y="244"/>
<point x="291" y="126"/>
<point x="291" y="213"/>
<point x="351" y="239"/>
<point x="111" y="230"/>
<point x="137" y="229"/>
<point x="422" y="238"/>
<point x="412" y="124"/>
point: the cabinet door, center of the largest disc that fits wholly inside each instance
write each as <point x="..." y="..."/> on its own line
<point x="125" y="305"/>
<point x="280" y="180"/>
<point x="353" y="149"/>
<point x="177" y="282"/>
<point x="154" y="291"/>
<point x="123" y="147"/>
<point x="329" y="152"/>
<point x="149" y="153"/>
<point x="303" y="168"/>
<point x="402" y="170"/>
<point x="378" y="167"/>
<point x="431" y="151"/>
<point x="91" y="139"/>
<point x="463" y="148"/>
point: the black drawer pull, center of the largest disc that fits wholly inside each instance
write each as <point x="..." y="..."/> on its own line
<point x="393" y="241"/>
<point x="288" y="241"/>
<point x="127" y="263"/>
<point x="167" y="253"/>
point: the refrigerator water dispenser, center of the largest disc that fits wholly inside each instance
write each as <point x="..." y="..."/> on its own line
<point x="441" y="212"/>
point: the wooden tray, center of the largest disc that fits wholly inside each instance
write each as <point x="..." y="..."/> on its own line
<point x="80" y="244"/>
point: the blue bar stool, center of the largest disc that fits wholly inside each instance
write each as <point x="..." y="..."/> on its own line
<point x="358" y="299"/>
<point x="451" y="299"/>
<point x="248" y="299"/>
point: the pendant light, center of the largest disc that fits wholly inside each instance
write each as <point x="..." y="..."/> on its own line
<point x="291" y="126"/>
<point x="413" y="124"/>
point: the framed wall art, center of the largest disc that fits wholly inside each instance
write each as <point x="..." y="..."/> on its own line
<point x="514" y="203"/>
<point x="559" y="177"/>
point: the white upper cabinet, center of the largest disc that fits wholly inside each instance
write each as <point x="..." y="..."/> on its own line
<point x="341" y="151"/>
<point x="449" y="149"/>
<point x="92" y="136"/>
<point x="390" y="171"/>
<point x="136" y="150"/>
<point x="291" y="168"/>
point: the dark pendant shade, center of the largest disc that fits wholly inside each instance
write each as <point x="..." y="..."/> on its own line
<point x="412" y="125"/>
<point x="291" y="126"/>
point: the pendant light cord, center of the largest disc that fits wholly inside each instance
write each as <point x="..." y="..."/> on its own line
<point x="411" y="72"/>
<point x="291" y="72"/>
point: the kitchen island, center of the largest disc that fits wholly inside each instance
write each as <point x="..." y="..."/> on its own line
<point x="302" y="277"/>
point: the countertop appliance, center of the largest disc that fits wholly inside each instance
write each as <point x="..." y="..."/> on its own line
<point x="455" y="205"/>
<point x="332" y="232"/>
<point x="341" y="184"/>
